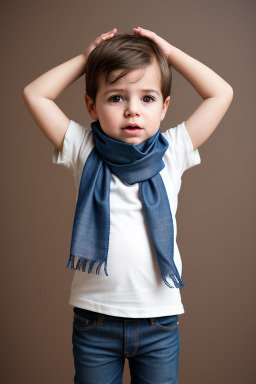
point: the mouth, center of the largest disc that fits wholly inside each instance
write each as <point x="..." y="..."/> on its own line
<point x="132" y="129"/>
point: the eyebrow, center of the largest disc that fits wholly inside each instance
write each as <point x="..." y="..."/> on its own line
<point x="123" y="90"/>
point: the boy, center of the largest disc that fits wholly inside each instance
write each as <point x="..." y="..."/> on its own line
<point x="129" y="176"/>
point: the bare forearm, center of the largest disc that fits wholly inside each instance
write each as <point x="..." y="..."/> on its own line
<point x="52" y="83"/>
<point x="205" y="81"/>
<point x="40" y="94"/>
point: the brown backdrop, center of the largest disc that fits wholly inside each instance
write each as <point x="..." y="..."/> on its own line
<point x="216" y="209"/>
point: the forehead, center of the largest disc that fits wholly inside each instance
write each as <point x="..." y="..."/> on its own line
<point x="146" y="77"/>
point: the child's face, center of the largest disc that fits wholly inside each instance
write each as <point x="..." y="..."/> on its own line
<point x="136" y="98"/>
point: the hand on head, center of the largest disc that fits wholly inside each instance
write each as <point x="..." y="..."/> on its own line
<point x="96" y="42"/>
<point x="162" y="44"/>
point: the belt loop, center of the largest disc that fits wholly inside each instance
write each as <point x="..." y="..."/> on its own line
<point x="100" y="319"/>
<point x="152" y="321"/>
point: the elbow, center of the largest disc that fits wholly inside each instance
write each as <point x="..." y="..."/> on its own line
<point x="25" y="94"/>
<point x="229" y="94"/>
<point x="25" y="90"/>
<point x="28" y="95"/>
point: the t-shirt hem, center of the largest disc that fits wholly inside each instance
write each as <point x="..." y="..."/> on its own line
<point x="128" y="311"/>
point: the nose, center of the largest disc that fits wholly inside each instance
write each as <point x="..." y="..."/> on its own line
<point x="132" y="108"/>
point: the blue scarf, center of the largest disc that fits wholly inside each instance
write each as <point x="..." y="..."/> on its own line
<point x="132" y="164"/>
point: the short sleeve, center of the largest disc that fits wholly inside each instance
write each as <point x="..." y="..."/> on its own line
<point x="182" y="147"/>
<point x="73" y="140"/>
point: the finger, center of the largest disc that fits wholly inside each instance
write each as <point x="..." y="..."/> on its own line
<point x="136" y="30"/>
<point x="145" y="32"/>
<point x="108" y="34"/>
<point x="101" y="38"/>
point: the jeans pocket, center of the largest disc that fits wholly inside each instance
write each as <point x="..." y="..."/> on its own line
<point x="82" y="321"/>
<point x="167" y="322"/>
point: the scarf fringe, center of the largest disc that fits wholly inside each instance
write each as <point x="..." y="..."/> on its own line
<point x="82" y="262"/>
<point x="176" y="281"/>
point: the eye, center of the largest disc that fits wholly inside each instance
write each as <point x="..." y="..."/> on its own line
<point x="115" y="98"/>
<point x="148" y="98"/>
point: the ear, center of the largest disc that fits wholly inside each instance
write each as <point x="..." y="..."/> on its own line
<point x="165" y="107"/>
<point x="91" y="107"/>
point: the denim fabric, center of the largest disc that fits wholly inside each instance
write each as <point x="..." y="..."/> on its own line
<point x="102" y="342"/>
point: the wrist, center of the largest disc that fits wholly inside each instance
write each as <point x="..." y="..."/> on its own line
<point x="84" y="56"/>
<point x="170" y="54"/>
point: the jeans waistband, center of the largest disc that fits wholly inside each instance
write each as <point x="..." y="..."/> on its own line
<point x="100" y="316"/>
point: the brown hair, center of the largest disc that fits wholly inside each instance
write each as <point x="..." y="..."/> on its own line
<point x="127" y="52"/>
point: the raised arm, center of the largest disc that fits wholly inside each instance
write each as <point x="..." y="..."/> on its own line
<point x="217" y="94"/>
<point x="40" y="94"/>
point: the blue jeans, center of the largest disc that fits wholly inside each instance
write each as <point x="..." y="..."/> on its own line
<point x="102" y="342"/>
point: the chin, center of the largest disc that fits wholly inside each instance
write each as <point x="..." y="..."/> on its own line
<point x="133" y="140"/>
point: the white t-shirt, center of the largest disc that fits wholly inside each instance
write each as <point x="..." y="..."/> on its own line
<point x="134" y="287"/>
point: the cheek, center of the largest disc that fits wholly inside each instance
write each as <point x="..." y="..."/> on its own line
<point x="109" y="121"/>
<point x="111" y="114"/>
<point x="154" y="115"/>
<point x="108" y="110"/>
